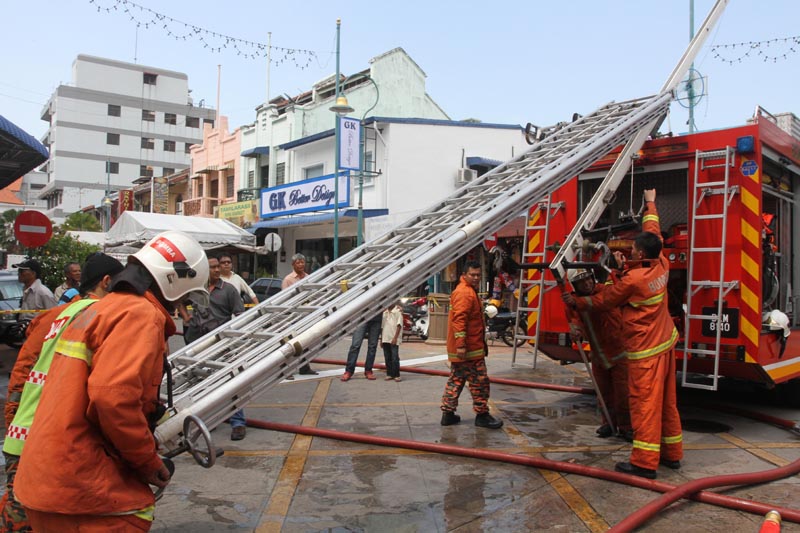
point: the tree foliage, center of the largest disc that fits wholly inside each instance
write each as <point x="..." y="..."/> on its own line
<point x="81" y="221"/>
<point x="60" y="250"/>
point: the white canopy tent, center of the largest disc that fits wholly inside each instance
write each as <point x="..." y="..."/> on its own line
<point x="134" y="228"/>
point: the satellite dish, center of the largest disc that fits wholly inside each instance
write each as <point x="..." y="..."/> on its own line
<point x="692" y="89"/>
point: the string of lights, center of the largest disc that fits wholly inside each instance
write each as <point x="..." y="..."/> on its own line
<point x="214" y="42"/>
<point x="737" y="52"/>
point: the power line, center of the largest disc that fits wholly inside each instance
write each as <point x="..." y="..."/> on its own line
<point x="756" y="49"/>
<point x="211" y="40"/>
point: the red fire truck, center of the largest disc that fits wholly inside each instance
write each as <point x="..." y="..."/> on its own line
<point x="727" y="204"/>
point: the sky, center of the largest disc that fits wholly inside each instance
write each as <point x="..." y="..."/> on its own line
<point x="509" y="62"/>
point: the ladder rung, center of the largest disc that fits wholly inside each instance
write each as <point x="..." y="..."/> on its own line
<point x="714" y="249"/>
<point x="697" y="351"/>
<point x="710" y="184"/>
<point x="702" y="317"/>
<point x="191" y="361"/>
<point x="712" y="154"/>
<point x="528" y="309"/>
<point x="708" y="217"/>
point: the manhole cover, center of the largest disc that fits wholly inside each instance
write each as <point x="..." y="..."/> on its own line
<point x="704" y="426"/>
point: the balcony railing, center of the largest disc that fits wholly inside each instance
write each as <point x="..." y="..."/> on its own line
<point x="201" y="207"/>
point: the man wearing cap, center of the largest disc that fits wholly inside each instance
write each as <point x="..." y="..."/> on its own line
<point x="35" y="296"/>
<point x="30" y="373"/>
<point x="91" y="456"/>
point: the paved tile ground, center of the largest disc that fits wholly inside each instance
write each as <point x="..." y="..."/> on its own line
<point x="274" y="481"/>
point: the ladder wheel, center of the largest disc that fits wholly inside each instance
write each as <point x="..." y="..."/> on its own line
<point x="205" y="458"/>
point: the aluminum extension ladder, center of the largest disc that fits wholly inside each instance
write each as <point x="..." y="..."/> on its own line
<point x="701" y="193"/>
<point x="533" y="281"/>
<point x="224" y="370"/>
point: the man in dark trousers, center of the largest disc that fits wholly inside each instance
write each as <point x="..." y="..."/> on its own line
<point x="224" y="302"/>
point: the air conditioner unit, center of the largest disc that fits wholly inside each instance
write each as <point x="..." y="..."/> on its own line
<point x="465" y="175"/>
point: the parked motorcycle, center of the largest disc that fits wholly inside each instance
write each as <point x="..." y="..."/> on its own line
<point x="415" y="317"/>
<point x="500" y="325"/>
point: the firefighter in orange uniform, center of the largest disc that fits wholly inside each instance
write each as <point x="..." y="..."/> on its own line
<point x="650" y="338"/>
<point x="609" y="365"/>
<point x="90" y="456"/>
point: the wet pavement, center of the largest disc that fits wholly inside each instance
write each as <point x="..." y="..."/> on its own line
<point x="275" y="481"/>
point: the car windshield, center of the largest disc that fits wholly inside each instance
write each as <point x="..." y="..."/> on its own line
<point x="10" y="289"/>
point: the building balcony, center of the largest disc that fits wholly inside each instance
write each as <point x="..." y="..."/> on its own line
<point x="200" y="207"/>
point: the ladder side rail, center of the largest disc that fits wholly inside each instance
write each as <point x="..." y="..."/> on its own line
<point x="721" y="292"/>
<point x="537" y="185"/>
<point x="467" y="236"/>
<point x="543" y="206"/>
<point x="621" y="166"/>
<point x="687" y="335"/>
<point x="329" y="270"/>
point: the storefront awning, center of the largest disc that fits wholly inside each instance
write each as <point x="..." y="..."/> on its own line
<point x="253" y="152"/>
<point x="20" y="152"/>
<point x="314" y="219"/>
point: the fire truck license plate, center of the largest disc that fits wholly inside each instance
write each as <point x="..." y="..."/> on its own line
<point x="729" y="323"/>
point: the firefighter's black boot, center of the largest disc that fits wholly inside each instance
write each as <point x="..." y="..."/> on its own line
<point x="449" y="418"/>
<point x="485" y="420"/>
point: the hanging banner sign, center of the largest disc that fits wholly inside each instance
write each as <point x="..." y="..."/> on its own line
<point x="316" y="194"/>
<point x="349" y="143"/>
<point x="159" y="195"/>
<point x="125" y="200"/>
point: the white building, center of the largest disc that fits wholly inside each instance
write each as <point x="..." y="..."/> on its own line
<point x="114" y="123"/>
<point x="415" y="155"/>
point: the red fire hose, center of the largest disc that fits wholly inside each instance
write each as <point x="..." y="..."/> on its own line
<point x="539" y="462"/>
<point x="692" y="490"/>
<point x="500" y="381"/>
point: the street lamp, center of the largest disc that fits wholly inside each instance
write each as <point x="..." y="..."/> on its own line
<point x="362" y="153"/>
<point x="341" y="108"/>
<point x="106" y="201"/>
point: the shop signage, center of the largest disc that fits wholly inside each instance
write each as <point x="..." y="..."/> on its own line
<point x="349" y="144"/>
<point x="316" y="194"/>
<point x="243" y="214"/>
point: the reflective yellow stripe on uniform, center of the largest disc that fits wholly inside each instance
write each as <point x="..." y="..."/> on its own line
<point x="649" y="446"/>
<point x="672" y="440"/>
<point x="650" y="218"/>
<point x="460" y="334"/>
<point x="657" y="299"/>
<point x="148" y="513"/>
<point x="663" y="347"/>
<point x="75" y="349"/>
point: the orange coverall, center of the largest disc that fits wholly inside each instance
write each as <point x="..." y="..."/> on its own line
<point x="612" y="380"/>
<point x="90" y="445"/>
<point x="650" y="338"/>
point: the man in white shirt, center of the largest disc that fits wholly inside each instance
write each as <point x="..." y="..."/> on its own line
<point x="298" y="272"/>
<point x="35" y="295"/>
<point x="227" y="274"/>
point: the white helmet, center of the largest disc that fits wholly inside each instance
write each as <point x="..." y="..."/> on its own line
<point x="177" y="262"/>
<point x="579" y="274"/>
<point x="777" y="320"/>
<point x="491" y="311"/>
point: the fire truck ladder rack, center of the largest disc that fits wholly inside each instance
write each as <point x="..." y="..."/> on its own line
<point x="224" y="370"/>
<point x="537" y="282"/>
<point x="703" y="191"/>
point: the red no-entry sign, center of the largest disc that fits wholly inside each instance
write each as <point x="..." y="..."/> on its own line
<point x="32" y="229"/>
